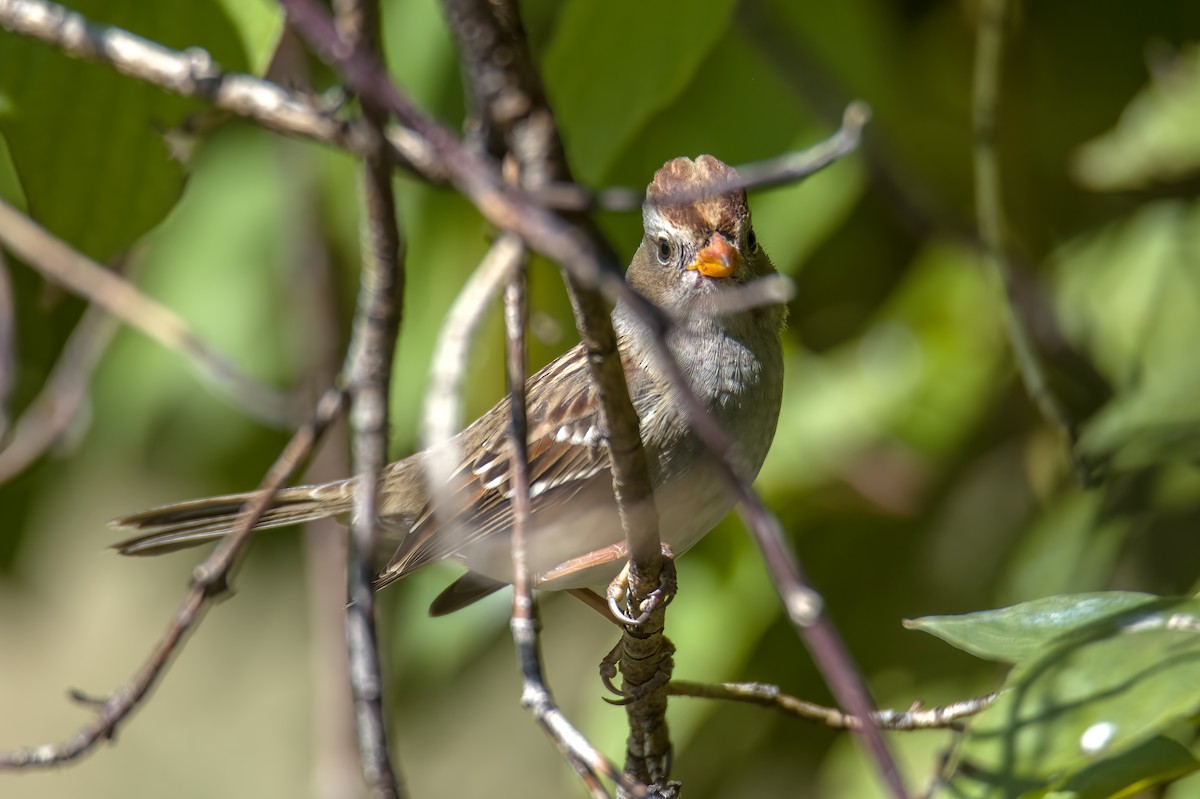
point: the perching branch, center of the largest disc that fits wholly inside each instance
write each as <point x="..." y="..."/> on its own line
<point x="511" y="120"/>
<point x="511" y="114"/>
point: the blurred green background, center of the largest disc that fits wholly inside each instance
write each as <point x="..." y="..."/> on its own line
<point x="912" y="471"/>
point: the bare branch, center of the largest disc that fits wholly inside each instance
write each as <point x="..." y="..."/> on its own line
<point x="535" y="694"/>
<point x="756" y="693"/>
<point x="56" y="260"/>
<point x="193" y="73"/>
<point x="780" y="170"/>
<point x="209" y="581"/>
<point x="369" y="371"/>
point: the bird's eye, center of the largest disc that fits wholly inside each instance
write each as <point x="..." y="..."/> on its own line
<point x="751" y="241"/>
<point x="664" y="250"/>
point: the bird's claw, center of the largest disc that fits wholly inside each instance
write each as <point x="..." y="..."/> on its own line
<point x="618" y="592"/>
<point x="608" y="670"/>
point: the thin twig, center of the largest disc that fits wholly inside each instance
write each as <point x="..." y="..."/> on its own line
<point x="58" y="261"/>
<point x="535" y="694"/>
<point x="778" y="171"/>
<point x="193" y="73"/>
<point x="50" y="414"/>
<point x="209" y="581"/>
<point x="915" y="718"/>
<point x="369" y="370"/>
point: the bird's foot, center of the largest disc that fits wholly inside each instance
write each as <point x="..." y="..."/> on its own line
<point x="618" y="592"/>
<point x="608" y="670"/>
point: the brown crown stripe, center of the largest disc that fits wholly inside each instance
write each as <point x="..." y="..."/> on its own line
<point x="683" y="178"/>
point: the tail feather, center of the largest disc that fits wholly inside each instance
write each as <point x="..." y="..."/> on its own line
<point x="188" y="524"/>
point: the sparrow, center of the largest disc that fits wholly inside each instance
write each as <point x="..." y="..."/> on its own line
<point x="698" y="247"/>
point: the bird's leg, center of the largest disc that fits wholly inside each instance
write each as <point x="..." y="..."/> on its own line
<point x="594" y="601"/>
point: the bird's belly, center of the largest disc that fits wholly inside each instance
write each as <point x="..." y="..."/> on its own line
<point x="582" y="533"/>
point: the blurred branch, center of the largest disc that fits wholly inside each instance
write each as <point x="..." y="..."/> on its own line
<point x="8" y="353"/>
<point x="59" y="262"/>
<point x="369" y="373"/>
<point x="443" y="399"/>
<point x="50" y="414"/>
<point x="209" y="581"/>
<point x="1065" y="386"/>
<point x="915" y="718"/>
<point x="318" y="324"/>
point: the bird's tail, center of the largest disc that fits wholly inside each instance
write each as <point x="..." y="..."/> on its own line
<point x="186" y="524"/>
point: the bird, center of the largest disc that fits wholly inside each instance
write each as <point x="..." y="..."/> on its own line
<point x="699" y="247"/>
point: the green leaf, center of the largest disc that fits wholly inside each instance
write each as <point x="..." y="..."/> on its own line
<point x="1154" y="761"/>
<point x="1129" y="290"/>
<point x="259" y="24"/>
<point x="87" y="143"/>
<point x="613" y="63"/>
<point x="1155" y="139"/>
<point x="1107" y="689"/>
<point x="1016" y="633"/>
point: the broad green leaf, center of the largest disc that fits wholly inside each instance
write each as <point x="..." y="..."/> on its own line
<point x="1016" y="633"/>
<point x="613" y="63"/>
<point x="1154" y="761"/>
<point x="1105" y="690"/>
<point x="87" y="143"/>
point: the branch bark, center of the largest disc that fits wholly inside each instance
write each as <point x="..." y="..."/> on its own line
<point x="369" y="369"/>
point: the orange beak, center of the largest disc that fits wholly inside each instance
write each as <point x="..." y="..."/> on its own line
<point x="718" y="259"/>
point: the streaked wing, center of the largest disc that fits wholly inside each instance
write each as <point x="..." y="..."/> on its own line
<point x="566" y="450"/>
